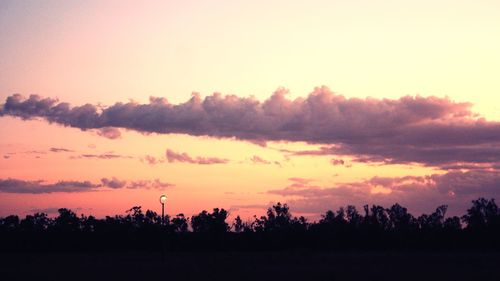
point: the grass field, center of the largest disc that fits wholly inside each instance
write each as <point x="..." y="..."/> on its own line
<point x="297" y="265"/>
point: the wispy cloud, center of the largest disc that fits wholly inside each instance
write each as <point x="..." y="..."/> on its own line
<point x="259" y="160"/>
<point x="301" y="181"/>
<point x="102" y="156"/>
<point x="151" y="160"/>
<point x="59" y="149"/>
<point x="183" y="157"/>
<point x="156" y="184"/>
<point x="337" y="162"/>
<point x="40" y="186"/>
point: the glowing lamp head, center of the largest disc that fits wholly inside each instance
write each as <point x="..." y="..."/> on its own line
<point x="163" y="199"/>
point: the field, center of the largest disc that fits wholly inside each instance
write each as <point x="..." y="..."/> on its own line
<point x="296" y="265"/>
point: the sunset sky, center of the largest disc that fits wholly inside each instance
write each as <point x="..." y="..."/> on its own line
<point x="105" y="105"/>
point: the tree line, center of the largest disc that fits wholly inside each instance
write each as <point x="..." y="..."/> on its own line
<point x="375" y="227"/>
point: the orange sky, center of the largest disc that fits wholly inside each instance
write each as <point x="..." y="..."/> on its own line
<point x="103" y="52"/>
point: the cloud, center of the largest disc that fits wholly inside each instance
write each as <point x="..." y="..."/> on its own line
<point x="40" y="187"/>
<point x="148" y="184"/>
<point x="58" y="149"/>
<point x="113" y="182"/>
<point x="173" y="156"/>
<point x="419" y="193"/>
<point x="35" y="152"/>
<point x="337" y="162"/>
<point x="429" y="130"/>
<point x="109" y="132"/>
<point x="258" y="160"/>
<point x="469" y="166"/>
<point x="151" y="160"/>
<point x="300" y="181"/>
<point x="102" y="156"/>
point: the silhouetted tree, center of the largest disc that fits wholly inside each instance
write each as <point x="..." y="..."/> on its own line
<point x="299" y="224"/>
<point x="278" y="219"/>
<point x="333" y="223"/>
<point x="352" y="215"/>
<point x="214" y="222"/>
<point x="376" y="218"/>
<point x="452" y="224"/>
<point x="135" y="216"/>
<point x="483" y="213"/>
<point x="10" y="222"/>
<point x="400" y="219"/>
<point x="67" y="221"/>
<point x="152" y="218"/>
<point x="89" y="224"/>
<point x="238" y="225"/>
<point x="180" y="223"/>
<point x="37" y="222"/>
<point x="434" y="221"/>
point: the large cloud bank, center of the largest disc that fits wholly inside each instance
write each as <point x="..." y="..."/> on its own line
<point x="428" y="130"/>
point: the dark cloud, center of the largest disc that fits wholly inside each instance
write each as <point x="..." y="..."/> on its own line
<point x="470" y="166"/>
<point x="429" y="155"/>
<point x="173" y="156"/>
<point x="475" y="183"/>
<point x="428" y="130"/>
<point x="38" y="187"/>
<point x="419" y="193"/>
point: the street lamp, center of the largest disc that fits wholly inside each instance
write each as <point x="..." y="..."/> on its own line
<point x="163" y="199"/>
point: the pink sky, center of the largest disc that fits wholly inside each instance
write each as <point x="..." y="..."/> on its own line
<point x="109" y="104"/>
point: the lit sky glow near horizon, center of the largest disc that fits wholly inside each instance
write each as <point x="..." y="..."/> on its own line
<point x="105" y="105"/>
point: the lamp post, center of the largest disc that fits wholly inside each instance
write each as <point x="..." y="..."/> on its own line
<point x="163" y="199"/>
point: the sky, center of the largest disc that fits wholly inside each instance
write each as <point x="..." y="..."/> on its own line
<point x="105" y="105"/>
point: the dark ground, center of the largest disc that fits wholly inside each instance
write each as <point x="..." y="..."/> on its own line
<point x="292" y="265"/>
